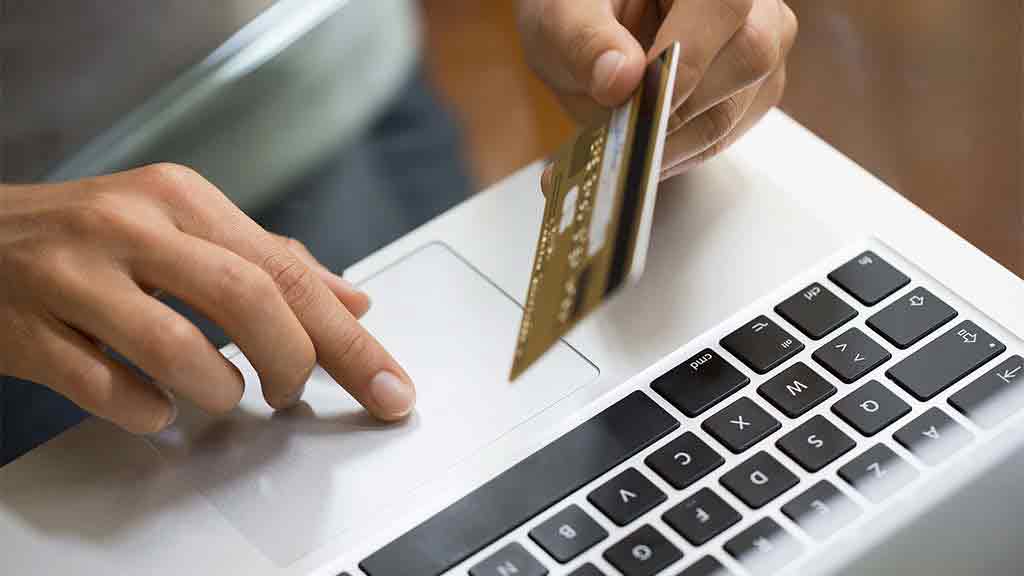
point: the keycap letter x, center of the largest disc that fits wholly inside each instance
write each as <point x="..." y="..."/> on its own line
<point x="740" y="422"/>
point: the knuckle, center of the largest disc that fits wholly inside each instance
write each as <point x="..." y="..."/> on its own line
<point x="175" y="185"/>
<point x="356" y="347"/>
<point x="740" y="8"/>
<point x="93" y="385"/>
<point x="246" y="285"/>
<point x="719" y="120"/>
<point x="293" y="279"/>
<point x="790" y="29"/>
<point x="173" y="339"/>
<point x="758" y="53"/>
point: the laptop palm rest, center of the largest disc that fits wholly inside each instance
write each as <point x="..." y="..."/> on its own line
<point x="290" y="482"/>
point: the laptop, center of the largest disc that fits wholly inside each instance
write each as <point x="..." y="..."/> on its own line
<point x="812" y="377"/>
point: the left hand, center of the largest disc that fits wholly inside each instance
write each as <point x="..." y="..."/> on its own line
<point x="732" y="62"/>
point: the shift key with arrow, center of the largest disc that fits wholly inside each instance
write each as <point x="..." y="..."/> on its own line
<point x="946" y="360"/>
<point x="626" y="497"/>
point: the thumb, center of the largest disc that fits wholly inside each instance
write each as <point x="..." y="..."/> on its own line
<point x="595" y="53"/>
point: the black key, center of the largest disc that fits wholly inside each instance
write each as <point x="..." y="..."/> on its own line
<point x="706" y="566"/>
<point x="568" y="534"/>
<point x="643" y="553"/>
<point x="815" y="444"/>
<point x="512" y="559"/>
<point x="761" y="344"/>
<point x="933" y="436"/>
<point x="740" y="425"/>
<point x="699" y="383"/>
<point x="796" y="390"/>
<point x="684" y="460"/>
<point x="701" y="517"/>
<point x="911" y="318"/>
<point x="816" y="311"/>
<point x="877" y="473"/>
<point x="764" y="547"/>
<point x="587" y="569"/>
<point x="995" y="396"/>
<point x="526" y="489"/>
<point x="871" y="408"/>
<point x="758" y="480"/>
<point x="868" y="278"/>
<point x="626" y="497"/>
<point x="851" y="355"/>
<point x="822" y="510"/>
<point x="945" y="360"/>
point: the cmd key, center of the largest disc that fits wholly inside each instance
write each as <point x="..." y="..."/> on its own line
<point x="945" y="360"/>
<point x="699" y="383"/>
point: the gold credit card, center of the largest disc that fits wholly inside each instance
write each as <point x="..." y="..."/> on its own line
<point x="599" y="204"/>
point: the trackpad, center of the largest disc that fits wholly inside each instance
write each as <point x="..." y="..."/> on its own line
<point x="292" y="481"/>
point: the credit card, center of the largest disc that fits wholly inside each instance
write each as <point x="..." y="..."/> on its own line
<point x="599" y="204"/>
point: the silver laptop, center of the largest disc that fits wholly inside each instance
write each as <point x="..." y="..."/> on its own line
<point x="812" y="377"/>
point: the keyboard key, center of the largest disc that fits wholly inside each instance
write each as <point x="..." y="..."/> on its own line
<point x="764" y="548"/>
<point x="626" y="497"/>
<point x="643" y="553"/>
<point x="699" y="383"/>
<point x="851" y="355"/>
<point x="868" y="278"/>
<point x="587" y="569"/>
<point x="815" y="311"/>
<point x="871" y="408"/>
<point x="512" y="559"/>
<point x="822" y="510"/>
<point x="815" y="444"/>
<point x="878" y="473"/>
<point x="701" y="517"/>
<point x="796" y="390"/>
<point x="995" y="396"/>
<point x="912" y="317"/>
<point x="568" y="534"/>
<point x="945" y="360"/>
<point x="740" y="425"/>
<point x="933" y="436"/>
<point x="526" y="489"/>
<point x="706" y="566"/>
<point x="684" y="460"/>
<point x="761" y="344"/>
<point x="758" y="480"/>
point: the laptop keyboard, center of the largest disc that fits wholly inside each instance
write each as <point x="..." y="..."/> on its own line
<point x="739" y="459"/>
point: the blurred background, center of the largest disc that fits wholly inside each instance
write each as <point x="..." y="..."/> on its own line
<point x="925" y="94"/>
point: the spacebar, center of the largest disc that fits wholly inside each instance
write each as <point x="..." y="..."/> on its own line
<point x="524" y="490"/>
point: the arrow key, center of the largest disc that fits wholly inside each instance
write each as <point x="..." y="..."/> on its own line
<point x="626" y="497"/>
<point x="851" y="355"/>
<point x="911" y="317"/>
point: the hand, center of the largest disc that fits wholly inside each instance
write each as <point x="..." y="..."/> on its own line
<point x="80" y="262"/>
<point x="732" y="62"/>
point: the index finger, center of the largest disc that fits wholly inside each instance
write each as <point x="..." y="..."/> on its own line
<point x="702" y="28"/>
<point x="343" y="347"/>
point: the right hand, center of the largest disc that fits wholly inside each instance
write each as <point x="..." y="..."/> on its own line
<point x="79" y="262"/>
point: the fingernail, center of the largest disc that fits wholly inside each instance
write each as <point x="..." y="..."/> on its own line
<point x="393" y="397"/>
<point x="293" y="398"/>
<point x="606" y="68"/>
<point x="172" y="416"/>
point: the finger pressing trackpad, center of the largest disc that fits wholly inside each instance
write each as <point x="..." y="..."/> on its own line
<point x="290" y="482"/>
